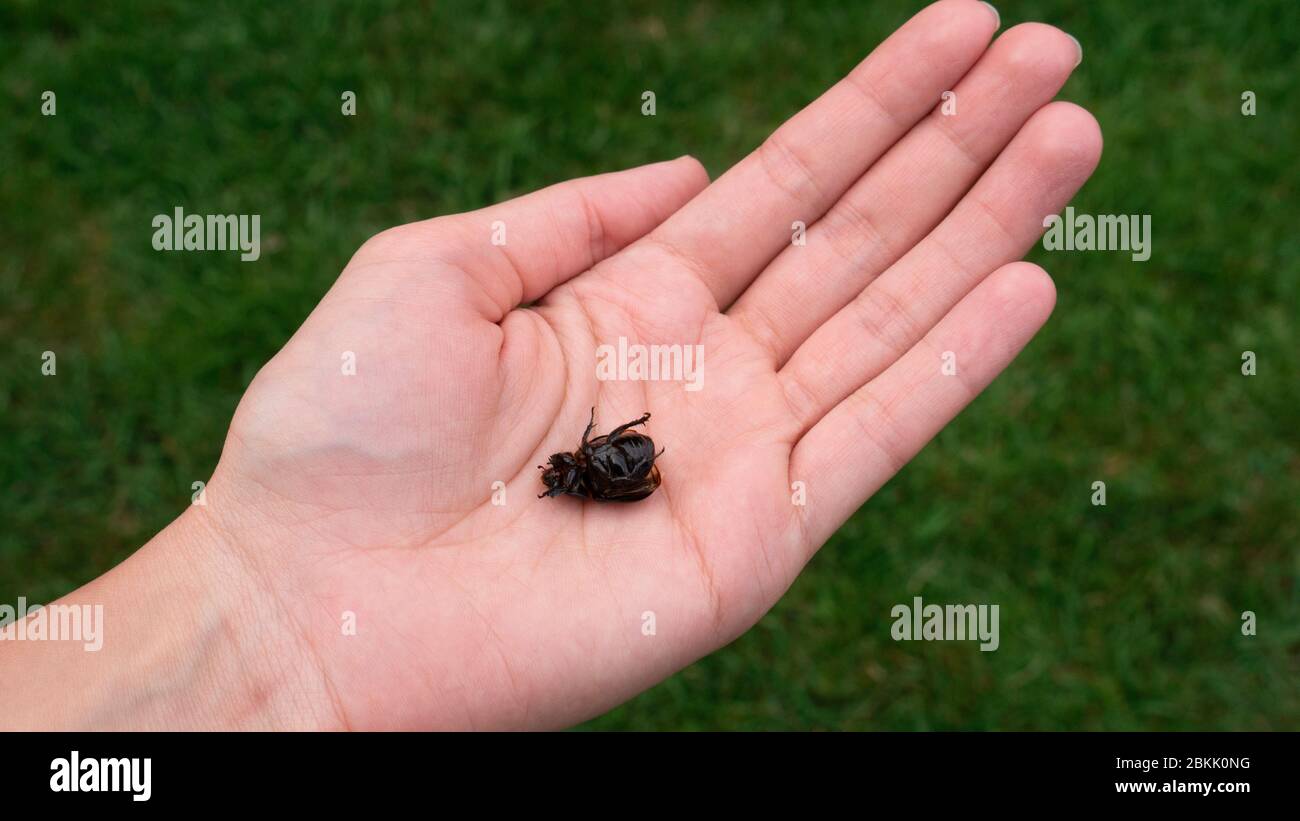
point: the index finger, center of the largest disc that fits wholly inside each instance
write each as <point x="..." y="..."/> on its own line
<point x="736" y="226"/>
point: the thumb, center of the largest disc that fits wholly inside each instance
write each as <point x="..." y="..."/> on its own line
<point x="524" y="247"/>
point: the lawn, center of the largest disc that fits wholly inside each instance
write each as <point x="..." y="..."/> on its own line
<point x="1123" y="616"/>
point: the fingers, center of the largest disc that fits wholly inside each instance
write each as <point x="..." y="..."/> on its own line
<point x="869" y="436"/>
<point x="907" y="192"/>
<point x="995" y="223"/>
<point x="739" y="223"/>
<point x="522" y="248"/>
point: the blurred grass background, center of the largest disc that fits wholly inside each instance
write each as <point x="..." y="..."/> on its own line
<point x="1118" y="617"/>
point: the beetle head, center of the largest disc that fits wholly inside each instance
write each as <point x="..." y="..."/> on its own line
<point x="562" y="475"/>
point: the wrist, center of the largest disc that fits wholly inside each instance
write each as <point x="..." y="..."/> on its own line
<point x="183" y="639"/>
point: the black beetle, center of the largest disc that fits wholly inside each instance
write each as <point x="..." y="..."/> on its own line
<point x="617" y="467"/>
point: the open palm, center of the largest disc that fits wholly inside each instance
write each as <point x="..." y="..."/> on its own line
<point x="382" y="469"/>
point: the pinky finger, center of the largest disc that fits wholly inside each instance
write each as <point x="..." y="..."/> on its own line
<point x="862" y="442"/>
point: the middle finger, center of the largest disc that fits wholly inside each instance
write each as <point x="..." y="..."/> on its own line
<point x="908" y="191"/>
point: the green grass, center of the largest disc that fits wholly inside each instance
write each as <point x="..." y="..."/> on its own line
<point x="1117" y="617"/>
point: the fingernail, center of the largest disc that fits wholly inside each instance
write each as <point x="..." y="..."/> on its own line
<point x="997" y="18"/>
<point x="1077" y="46"/>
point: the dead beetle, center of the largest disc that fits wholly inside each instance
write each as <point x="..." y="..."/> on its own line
<point x="617" y="467"/>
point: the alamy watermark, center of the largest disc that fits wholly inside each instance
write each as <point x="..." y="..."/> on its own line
<point x="1104" y="232"/>
<point x="950" y="622"/>
<point x="77" y="774"/>
<point x="179" y="231"/>
<point x="55" y="622"/>
<point x="653" y="363"/>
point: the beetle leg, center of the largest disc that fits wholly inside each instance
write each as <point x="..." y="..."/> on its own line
<point x="614" y="434"/>
<point x="590" y="425"/>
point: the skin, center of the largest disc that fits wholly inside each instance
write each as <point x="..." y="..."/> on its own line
<point x="371" y="494"/>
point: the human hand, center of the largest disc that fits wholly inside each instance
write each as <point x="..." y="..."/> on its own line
<point x="367" y="498"/>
